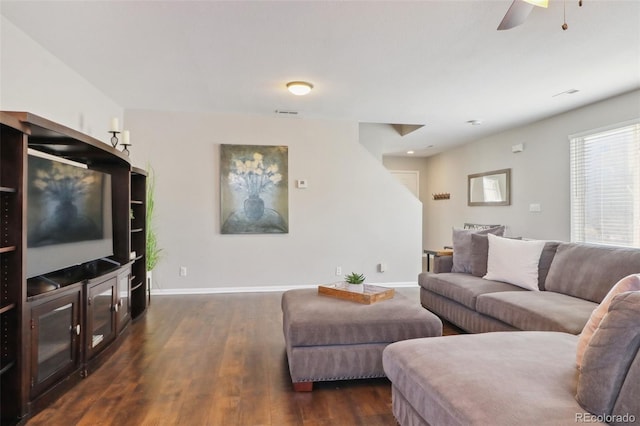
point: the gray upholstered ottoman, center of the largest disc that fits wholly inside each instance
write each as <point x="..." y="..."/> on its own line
<point x="333" y="339"/>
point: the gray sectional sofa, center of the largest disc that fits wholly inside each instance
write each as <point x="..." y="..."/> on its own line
<point x="528" y="375"/>
<point x="572" y="278"/>
<point x="521" y="378"/>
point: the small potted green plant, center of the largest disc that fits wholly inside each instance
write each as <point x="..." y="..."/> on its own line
<point x="354" y="282"/>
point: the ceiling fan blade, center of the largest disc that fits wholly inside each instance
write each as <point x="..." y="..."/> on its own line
<point x="516" y="15"/>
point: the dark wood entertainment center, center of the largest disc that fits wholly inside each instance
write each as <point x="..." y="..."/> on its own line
<point x="59" y="327"/>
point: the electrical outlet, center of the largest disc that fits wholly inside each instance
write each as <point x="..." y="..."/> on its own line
<point x="382" y="267"/>
<point x="183" y="271"/>
<point x="338" y="270"/>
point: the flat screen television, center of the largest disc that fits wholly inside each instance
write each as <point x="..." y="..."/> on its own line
<point x="69" y="214"/>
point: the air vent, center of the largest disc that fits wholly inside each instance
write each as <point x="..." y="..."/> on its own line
<point x="284" y="113"/>
<point x="566" y="92"/>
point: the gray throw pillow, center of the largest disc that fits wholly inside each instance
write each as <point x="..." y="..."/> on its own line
<point x="478" y="227"/>
<point x="609" y="375"/>
<point x="462" y="247"/>
<point x="548" y="252"/>
<point x="479" y="254"/>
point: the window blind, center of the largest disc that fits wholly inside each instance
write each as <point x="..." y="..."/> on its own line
<point x="605" y="186"/>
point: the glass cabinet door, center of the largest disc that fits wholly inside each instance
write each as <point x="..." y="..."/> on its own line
<point x="124" y="300"/>
<point x="55" y="340"/>
<point x="101" y="315"/>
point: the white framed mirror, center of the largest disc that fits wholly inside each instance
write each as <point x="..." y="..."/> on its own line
<point x="489" y="188"/>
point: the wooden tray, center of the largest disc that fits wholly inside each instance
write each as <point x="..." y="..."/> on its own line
<point x="370" y="294"/>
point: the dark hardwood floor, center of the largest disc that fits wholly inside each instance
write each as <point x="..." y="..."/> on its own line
<point x="213" y="360"/>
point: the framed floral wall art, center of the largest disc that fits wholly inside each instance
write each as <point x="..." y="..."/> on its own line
<point x="254" y="189"/>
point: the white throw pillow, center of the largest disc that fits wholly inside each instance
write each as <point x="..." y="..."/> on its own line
<point x="514" y="261"/>
<point x="628" y="283"/>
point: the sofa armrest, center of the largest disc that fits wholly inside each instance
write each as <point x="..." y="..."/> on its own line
<point x="442" y="264"/>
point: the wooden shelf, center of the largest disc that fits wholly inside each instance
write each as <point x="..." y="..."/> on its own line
<point x="7" y="308"/>
<point x="56" y="139"/>
<point x="138" y="171"/>
<point x="7" y="367"/>
<point x="12" y="150"/>
<point x="48" y="350"/>
<point x="139" y="294"/>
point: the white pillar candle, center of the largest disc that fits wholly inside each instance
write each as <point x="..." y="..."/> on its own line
<point x="115" y="126"/>
<point x="125" y="138"/>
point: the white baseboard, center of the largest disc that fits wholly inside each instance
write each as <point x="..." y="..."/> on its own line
<point x="262" y="289"/>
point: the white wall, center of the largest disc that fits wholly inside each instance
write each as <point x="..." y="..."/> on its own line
<point x="374" y="135"/>
<point x="353" y="214"/>
<point x="418" y="164"/>
<point x="33" y="80"/>
<point x="540" y="174"/>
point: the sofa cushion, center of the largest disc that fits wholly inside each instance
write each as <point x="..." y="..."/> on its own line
<point x="589" y="271"/>
<point x="540" y="310"/>
<point x="480" y="253"/>
<point x="514" y="261"/>
<point x="462" y="288"/>
<point x="514" y="378"/>
<point x="462" y="247"/>
<point x="610" y="370"/>
<point x="628" y="283"/>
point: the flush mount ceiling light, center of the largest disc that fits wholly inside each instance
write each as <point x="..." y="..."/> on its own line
<point x="299" y="88"/>
<point x="539" y="3"/>
<point x="475" y="122"/>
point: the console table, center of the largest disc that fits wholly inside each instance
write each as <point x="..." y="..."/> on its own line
<point x="436" y="253"/>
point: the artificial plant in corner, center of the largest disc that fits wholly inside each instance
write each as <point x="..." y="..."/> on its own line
<point x="153" y="251"/>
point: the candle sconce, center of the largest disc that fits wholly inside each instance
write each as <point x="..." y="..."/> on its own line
<point x="441" y="196"/>
<point x="126" y="141"/>
<point x="114" y="138"/>
<point x="125" y="147"/>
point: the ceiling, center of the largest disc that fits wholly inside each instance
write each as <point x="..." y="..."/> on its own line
<point x="439" y="63"/>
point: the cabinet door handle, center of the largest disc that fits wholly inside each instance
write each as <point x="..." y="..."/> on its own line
<point x="78" y="329"/>
<point x="115" y="307"/>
